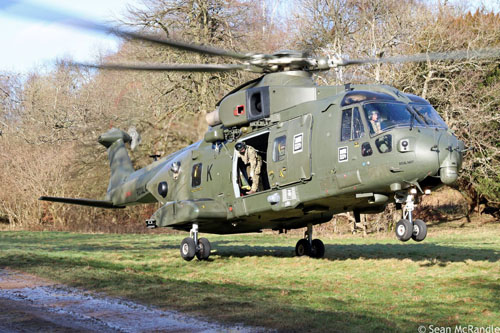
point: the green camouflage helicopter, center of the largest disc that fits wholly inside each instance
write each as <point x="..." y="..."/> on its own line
<point x="324" y="150"/>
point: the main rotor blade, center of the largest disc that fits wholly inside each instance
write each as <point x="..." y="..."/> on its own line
<point x="435" y="56"/>
<point x="42" y="13"/>
<point x="164" y="67"/>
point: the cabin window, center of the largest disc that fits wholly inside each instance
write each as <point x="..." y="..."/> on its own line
<point x="279" y="148"/>
<point x="196" y="175"/>
<point x="352" y="125"/>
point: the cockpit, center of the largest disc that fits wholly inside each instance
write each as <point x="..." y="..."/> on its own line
<point x="378" y="125"/>
<point x="383" y="112"/>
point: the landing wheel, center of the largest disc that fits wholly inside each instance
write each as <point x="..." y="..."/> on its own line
<point x="188" y="249"/>
<point x="317" y="249"/>
<point x="404" y="230"/>
<point x="203" y="249"/>
<point x="303" y="248"/>
<point x="419" y="230"/>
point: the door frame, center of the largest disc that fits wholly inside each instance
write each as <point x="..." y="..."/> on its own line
<point x="234" y="169"/>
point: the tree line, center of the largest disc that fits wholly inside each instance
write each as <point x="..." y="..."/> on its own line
<point x="50" y="119"/>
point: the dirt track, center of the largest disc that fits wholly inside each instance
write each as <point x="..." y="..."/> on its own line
<point x="29" y="304"/>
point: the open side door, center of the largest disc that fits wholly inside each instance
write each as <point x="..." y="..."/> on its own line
<point x="259" y="142"/>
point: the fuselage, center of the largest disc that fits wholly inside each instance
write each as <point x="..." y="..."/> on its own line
<point x="322" y="155"/>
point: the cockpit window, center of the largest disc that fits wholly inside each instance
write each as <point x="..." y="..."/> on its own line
<point x="383" y="116"/>
<point x="430" y="115"/>
<point x="358" y="96"/>
<point x="352" y="126"/>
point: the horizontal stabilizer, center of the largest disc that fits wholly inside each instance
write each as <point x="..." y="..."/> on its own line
<point x="82" y="202"/>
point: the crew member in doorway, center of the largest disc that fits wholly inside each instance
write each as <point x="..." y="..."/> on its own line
<point x="253" y="163"/>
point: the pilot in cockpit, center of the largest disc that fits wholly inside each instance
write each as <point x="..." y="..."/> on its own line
<point x="375" y="121"/>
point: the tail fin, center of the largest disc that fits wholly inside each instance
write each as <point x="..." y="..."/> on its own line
<point x="119" y="161"/>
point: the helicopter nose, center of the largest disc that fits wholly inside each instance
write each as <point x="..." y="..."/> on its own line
<point x="450" y="158"/>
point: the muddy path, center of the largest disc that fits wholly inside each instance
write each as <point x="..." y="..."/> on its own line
<point x="29" y="303"/>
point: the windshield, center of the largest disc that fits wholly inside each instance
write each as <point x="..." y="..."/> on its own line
<point x="430" y="115"/>
<point x="382" y="116"/>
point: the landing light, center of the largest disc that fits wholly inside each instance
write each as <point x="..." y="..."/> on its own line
<point x="413" y="191"/>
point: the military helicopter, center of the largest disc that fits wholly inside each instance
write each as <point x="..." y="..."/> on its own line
<point x="324" y="150"/>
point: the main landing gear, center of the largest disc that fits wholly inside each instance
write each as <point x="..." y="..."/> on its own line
<point x="408" y="228"/>
<point x="192" y="246"/>
<point x="308" y="246"/>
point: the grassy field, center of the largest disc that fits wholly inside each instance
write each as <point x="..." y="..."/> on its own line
<point x="362" y="284"/>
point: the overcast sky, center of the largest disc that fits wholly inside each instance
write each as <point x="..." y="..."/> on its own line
<point x="26" y="43"/>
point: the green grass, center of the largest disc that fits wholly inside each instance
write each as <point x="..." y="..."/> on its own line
<point x="375" y="283"/>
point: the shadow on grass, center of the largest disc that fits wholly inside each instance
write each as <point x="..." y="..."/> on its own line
<point x="429" y="253"/>
<point x="265" y="306"/>
<point x="63" y="241"/>
<point x="438" y="254"/>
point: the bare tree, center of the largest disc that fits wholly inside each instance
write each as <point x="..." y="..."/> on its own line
<point x="466" y="93"/>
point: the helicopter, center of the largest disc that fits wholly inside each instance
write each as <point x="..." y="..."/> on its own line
<point x="324" y="150"/>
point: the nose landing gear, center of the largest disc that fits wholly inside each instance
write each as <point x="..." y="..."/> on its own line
<point x="308" y="246"/>
<point x="192" y="246"/>
<point x="407" y="228"/>
<point x="419" y="230"/>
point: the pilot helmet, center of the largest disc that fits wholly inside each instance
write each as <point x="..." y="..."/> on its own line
<point x="240" y="145"/>
<point x="372" y="112"/>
